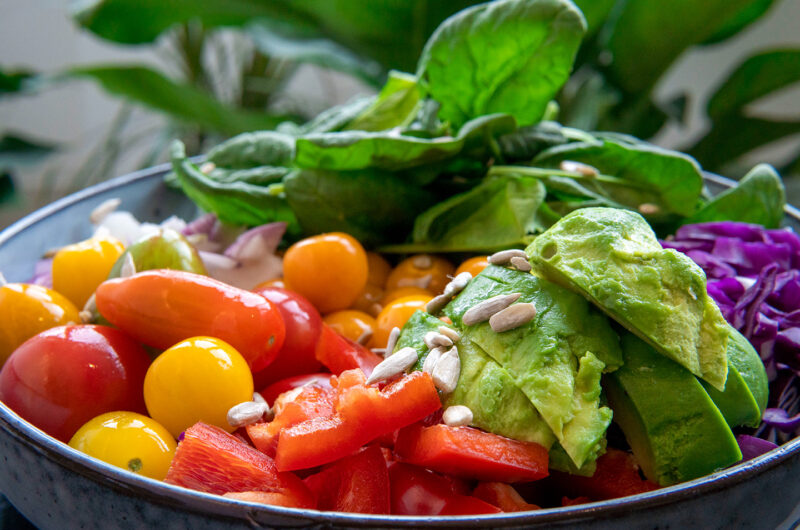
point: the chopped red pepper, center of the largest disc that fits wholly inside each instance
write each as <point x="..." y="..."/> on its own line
<point x="363" y="413"/>
<point x="504" y="496"/>
<point x="271" y="392"/>
<point x="470" y="453"/>
<point x="358" y="483"/>
<point x="339" y="353"/>
<point x="617" y="475"/>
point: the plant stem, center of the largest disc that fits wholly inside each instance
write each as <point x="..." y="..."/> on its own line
<point x="540" y="172"/>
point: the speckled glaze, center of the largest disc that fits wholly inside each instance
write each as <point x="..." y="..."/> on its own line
<point x="57" y="487"/>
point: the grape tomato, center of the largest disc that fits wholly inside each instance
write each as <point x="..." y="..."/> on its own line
<point x="79" y="268"/>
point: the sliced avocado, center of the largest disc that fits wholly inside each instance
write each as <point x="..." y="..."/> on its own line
<point x="496" y="403"/>
<point x="744" y="357"/>
<point x="555" y="359"/>
<point x="673" y="427"/>
<point x="736" y="402"/>
<point x="613" y="258"/>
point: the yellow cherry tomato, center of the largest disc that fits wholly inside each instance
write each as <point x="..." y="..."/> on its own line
<point x="329" y="269"/>
<point x="422" y="270"/>
<point x="197" y="379"/>
<point x="473" y="265"/>
<point x="357" y="326"/>
<point x="369" y="301"/>
<point x="395" y="314"/>
<point x="79" y="268"/>
<point x="27" y="310"/>
<point x="128" y="440"/>
<point x="378" y="269"/>
<point x="401" y="292"/>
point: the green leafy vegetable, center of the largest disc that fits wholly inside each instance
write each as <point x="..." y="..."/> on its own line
<point x="509" y="56"/>
<point x="248" y="150"/>
<point x="393" y="107"/>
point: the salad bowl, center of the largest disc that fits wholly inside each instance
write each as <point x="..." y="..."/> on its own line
<point x="55" y="486"/>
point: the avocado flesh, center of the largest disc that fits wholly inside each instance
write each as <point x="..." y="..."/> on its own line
<point x="671" y="424"/>
<point x="613" y="258"/>
<point x="744" y="357"/>
<point x="496" y="403"/>
<point x="556" y="359"/>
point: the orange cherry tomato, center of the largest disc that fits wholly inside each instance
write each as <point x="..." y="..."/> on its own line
<point x="473" y="265"/>
<point x="369" y="301"/>
<point x="379" y="269"/>
<point x="422" y="270"/>
<point x="162" y="307"/>
<point x="328" y="269"/>
<point x="276" y="282"/>
<point x="396" y="314"/>
<point x="401" y="292"/>
<point x="355" y="325"/>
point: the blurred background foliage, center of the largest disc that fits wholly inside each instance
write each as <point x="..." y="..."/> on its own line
<point x="230" y="62"/>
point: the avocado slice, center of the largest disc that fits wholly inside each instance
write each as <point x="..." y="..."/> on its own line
<point x="747" y="379"/>
<point x="673" y="427"/>
<point x="613" y="258"/>
<point x="497" y="404"/>
<point x="556" y="359"/>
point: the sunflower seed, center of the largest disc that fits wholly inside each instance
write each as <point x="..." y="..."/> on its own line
<point x="287" y="397"/>
<point x="392" y="342"/>
<point x="363" y="339"/>
<point x="512" y="317"/>
<point x="578" y="167"/>
<point x="446" y="371"/>
<point x="521" y="264"/>
<point x="258" y="398"/>
<point x="484" y="310"/>
<point x="504" y="256"/>
<point x="128" y="266"/>
<point x="457" y="284"/>
<point x="246" y="413"/>
<point x="89" y="310"/>
<point x="422" y="261"/>
<point x="431" y="360"/>
<point x="449" y="332"/>
<point x="457" y="416"/>
<point x="101" y="212"/>
<point x="208" y="167"/>
<point x="649" y="208"/>
<point x="433" y="339"/>
<point x="393" y="365"/>
<point x="437" y="303"/>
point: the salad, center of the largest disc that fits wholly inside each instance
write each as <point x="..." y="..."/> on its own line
<point x="437" y="297"/>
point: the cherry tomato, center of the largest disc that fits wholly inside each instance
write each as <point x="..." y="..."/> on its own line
<point x="402" y="292"/>
<point x="162" y="307"/>
<point x="355" y="325"/>
<point x="303" y="325"/>
<point x="127" y="440"/>
<point x="473" y="265"/>
<point x="65" y="376"/>
<point x="422" y="270"/>
<point x="378" y="269"/>
<point x="197" y="379"/>
<point x="79" y="268"/>
<point x="329" y="269"/>
<point x="369" y="301"/>
<point x="395" y="314"/>
<point x="276" y="282"/>
<point x="277" y="388"/>
<point x="28" y="309"/>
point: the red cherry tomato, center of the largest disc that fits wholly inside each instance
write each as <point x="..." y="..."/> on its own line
<point x="303" y="326"/>
<point x="163" y="307"/>
<point x="277" y="388"/>
<point x="65" y="376"/>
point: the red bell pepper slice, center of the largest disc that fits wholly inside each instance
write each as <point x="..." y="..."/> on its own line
<point x="363" y="413"/>
<point x="504" y="496"/>
<point x="417" y="491"/>
<point x="617" y="475"/>
<point x="339" y="353"/>
<point x="358" y="483"/>
<point x="470" y="453"/>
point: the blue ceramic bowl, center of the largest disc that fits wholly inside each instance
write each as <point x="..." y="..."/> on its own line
<point x="55" y="486"/>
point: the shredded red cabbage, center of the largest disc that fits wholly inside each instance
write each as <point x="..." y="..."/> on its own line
<point x="754" y="276"/>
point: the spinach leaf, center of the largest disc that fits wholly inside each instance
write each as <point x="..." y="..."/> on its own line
<point x="373" y="206"/>
<point x="500" y="212"/>
<point x="236" y="202"/>
<point x="336" y="118"/>
<point x="758" y="198"/>
<point x="394" y="106"/>
<point x="667" y="181"/>
<point x="527" y="142"/>
<point x="247" y="150"/>
<point x="351" y="150"/>
<point x="260" y="176"/>
<point x="508" y="56"/>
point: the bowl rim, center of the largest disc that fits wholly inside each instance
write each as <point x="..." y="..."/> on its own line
<point x="163" y="493"/>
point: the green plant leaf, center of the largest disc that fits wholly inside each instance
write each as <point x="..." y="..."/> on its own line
<point x="236" y="202"/>
<point x="508" y="56"/>
<point x="756" y="77"/>
<point x="596" y="13"/>
<point x="336" y="118"/>
<point x="637" y="38"/>
<point x="250" y="150"/>
<point x="498" y="213"/>
<point x="669" y="180"/>
<point x="17" y="150"/>
<point x="182" y="102"/>
<point x="394" y="106"/>
<point x="740" y="20"/>
<point x="758" y="198"/>
<point x="15" y="81"/>
<point x="373" y="206"/>
<point x="7" y="190"/>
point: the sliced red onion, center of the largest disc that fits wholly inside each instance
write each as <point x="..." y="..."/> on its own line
<point x="752" y="447"/>
<point x="781" y="420"/>
<point x="43" y="272"/>
<point x="257" y="242"/>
